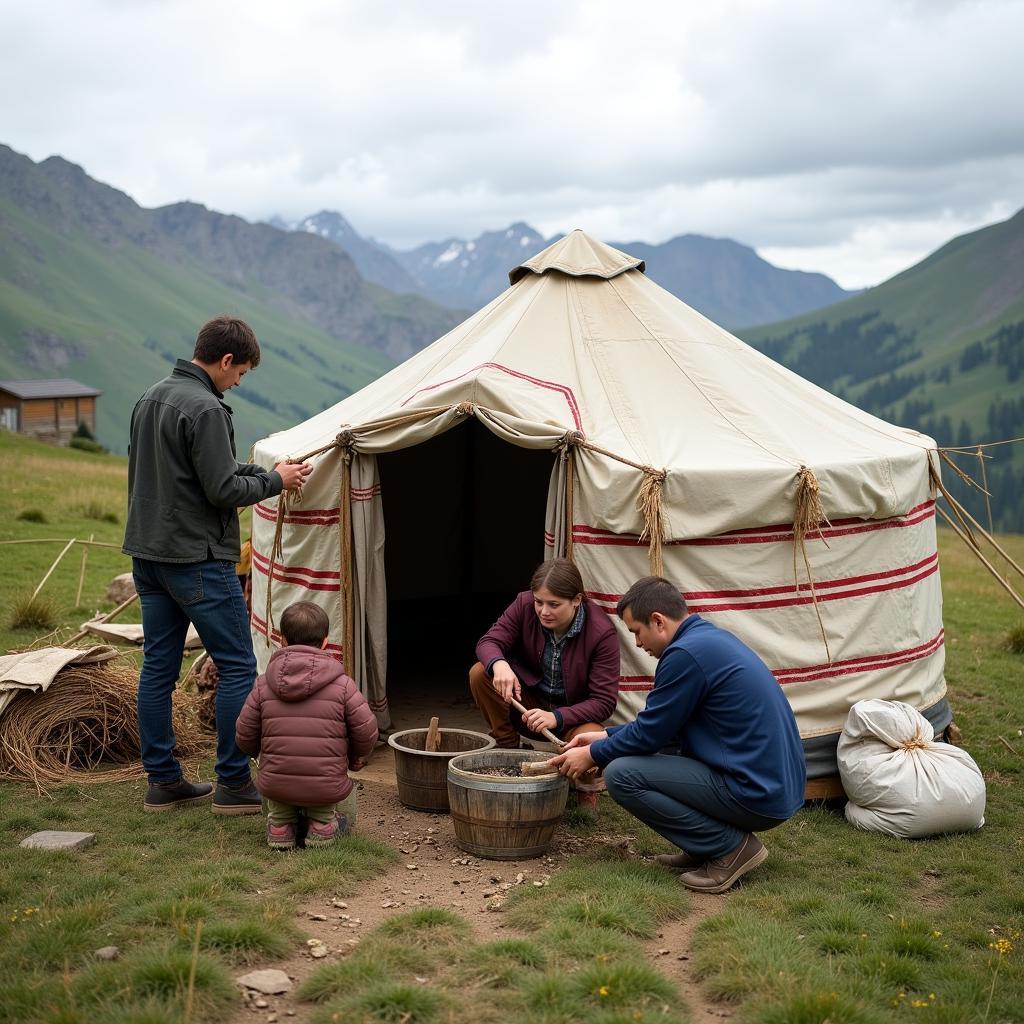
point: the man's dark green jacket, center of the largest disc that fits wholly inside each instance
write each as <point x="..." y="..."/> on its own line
<point x="184" y="483"/>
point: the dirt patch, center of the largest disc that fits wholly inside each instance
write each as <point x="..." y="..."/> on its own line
<point x="434" y="872"/>
<point x="672" y="954"/>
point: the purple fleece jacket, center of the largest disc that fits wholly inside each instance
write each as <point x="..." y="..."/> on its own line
<point x="590" y="661"/>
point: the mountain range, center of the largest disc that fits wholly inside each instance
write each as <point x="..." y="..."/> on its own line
<point x="939" y="348"/>
<point x="93" y="286"/>
<point x="726" y="281"/>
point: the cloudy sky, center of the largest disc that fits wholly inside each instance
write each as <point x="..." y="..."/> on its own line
<point x="851" y="138"/>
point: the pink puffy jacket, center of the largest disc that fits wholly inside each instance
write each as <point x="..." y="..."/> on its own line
<point x="304" y="719"/>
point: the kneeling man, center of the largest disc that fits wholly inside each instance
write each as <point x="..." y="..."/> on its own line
<point x="714" y="756"/>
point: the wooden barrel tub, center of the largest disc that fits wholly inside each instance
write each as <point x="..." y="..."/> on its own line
<point x="502" y="818"/>
<point x="423" y="774"/>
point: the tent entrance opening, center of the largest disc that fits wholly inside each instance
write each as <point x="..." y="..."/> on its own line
<point x="464" y="530"/>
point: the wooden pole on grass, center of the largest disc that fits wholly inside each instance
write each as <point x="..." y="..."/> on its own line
<point x="56" y="562"/>
<point x="103" y="618"/>
<point x="81" y="574"/>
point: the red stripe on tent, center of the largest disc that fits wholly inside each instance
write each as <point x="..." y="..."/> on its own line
<point x="810" y="673"/>
<point x="564" y="390"/>
<point x="848" y="581"/>
<point x="282" y="575"/>
<point x="583" y="534"/>
<point x="819" y="585"/>
<point x="840" y="596"/>
<point x="260" y="626"/>
<point x="866" y="662"/>
<point x="326" y="574"/>
<point x="294" y="520"/>
<point x="854" y="669"/>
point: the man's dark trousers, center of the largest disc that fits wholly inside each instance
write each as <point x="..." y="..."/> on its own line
<point x="684" y="801"/>
<point x="209" y="595"/>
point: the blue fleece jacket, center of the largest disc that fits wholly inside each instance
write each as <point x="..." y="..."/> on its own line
<point x="714" y="700"/>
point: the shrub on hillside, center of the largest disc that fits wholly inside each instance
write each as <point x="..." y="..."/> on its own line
<point x="1015" y="639"/>
<point x="85" y="445"/>
<point x="29" y="612"/>
<point x="32" y="515"/>
<point x="94" y="510"/>
<point x="84" y="431"/>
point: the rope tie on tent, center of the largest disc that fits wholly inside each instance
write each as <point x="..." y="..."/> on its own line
<point x="809" y="515"/>
<point x="567" y="451"/>
<point x="276" y="552"/>
<point x="649" y="504"/>
<point x="465" y="408"/>
<point x="345" y="442"/>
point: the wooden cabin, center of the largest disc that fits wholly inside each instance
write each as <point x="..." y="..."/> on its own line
<point x="49" y="410"/>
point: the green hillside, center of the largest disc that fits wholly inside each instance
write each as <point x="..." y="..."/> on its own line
<point x="96" y="288"/>
<point x="939" y="348"/>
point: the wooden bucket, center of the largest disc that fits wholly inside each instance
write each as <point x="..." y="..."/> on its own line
<point x="423" y="774"/>
<point x="504" y="818"/>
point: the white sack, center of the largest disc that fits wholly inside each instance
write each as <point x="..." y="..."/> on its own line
<point x="899" y="781"/>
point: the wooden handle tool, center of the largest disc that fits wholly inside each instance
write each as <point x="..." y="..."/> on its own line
<point x="546" y="733"/>
<point x="433" y="740"/>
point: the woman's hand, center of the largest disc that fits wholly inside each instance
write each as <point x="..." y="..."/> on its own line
<point x="505" y="681"/>
<point x="537" y="720"/>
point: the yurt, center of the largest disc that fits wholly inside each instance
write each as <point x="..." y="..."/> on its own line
<point x="587" y="412"/>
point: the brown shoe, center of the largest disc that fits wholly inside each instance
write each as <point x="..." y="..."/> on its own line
<point x="681" y="861"/>
<point x="719" y="874"/>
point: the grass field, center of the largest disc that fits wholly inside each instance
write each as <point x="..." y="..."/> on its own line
<point x="838" y="926"/>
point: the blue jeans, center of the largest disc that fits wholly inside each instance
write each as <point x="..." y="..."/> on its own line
<point x="208" y="595"/>
<point x="684" y="801"/>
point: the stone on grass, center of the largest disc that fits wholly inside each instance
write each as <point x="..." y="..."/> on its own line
<point x="269" y="982"/>
<point x="51" y="840"/>
<point x="121" y="588"/>
<point x="107" y="953"/>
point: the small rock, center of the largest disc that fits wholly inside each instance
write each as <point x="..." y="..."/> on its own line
<point x="388" y="904"/>
<point x="261" y="1003"/>
<point x="317" y="917"/>
<point x="121" y="588"/>
<point x="683" y="956"/>
<point x="53" y="840"/>
<point x="270" y="982"/>
<point x="412" y="867"/>
<point x="335" y="902"/>
<point x="318" y="952"/>
<point x="663" y="952"/>
<point x="107" y="953"/>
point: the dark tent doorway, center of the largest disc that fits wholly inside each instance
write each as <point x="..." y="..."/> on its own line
<point x="464" y="529"/>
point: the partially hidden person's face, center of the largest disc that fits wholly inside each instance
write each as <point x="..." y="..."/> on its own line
<point x="652" y="637"/>
<point x="229" y="373"/>
<point x="555" y="613"/>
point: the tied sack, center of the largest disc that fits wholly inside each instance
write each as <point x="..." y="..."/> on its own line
<point x="899" y="781"/>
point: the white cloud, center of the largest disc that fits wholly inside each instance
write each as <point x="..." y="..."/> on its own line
<point x="848" y="138"/>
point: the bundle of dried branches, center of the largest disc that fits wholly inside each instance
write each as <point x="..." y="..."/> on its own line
<point x="85" y="719"/>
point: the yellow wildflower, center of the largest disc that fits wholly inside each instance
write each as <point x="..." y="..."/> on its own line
<point x="1001" y="946"/>
<point x="603" y="991"/>
<point x="936" y="934"/>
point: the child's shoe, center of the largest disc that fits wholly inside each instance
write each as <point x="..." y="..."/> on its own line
<point x="281" y="837"/>
<point x="323" y="833"/>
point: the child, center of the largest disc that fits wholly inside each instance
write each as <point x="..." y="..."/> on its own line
<point x="308" y="724"/>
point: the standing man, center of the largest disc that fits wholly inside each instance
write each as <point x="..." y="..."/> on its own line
<point x="737" y="765"/>
<point x="184" y="488"/>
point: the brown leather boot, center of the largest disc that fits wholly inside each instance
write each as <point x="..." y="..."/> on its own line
<point x="719" y="874"/>
<point x="681" y="861"/>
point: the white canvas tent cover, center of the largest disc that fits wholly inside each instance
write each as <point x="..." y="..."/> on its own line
<point x="663" y="427"/>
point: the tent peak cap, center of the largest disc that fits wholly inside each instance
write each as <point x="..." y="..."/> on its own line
<point x="578" y="255"/>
